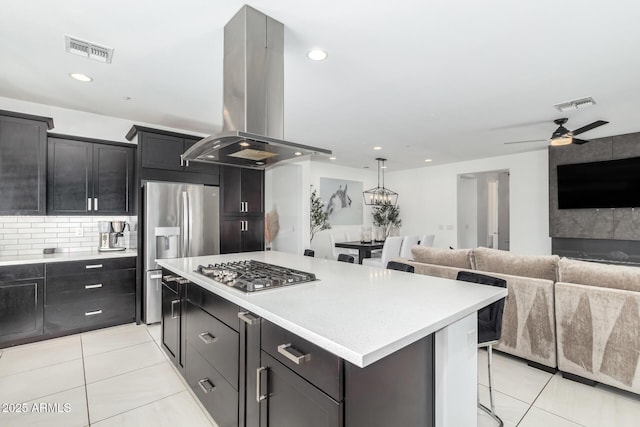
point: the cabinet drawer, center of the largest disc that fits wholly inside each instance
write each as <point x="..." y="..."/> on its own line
<point x="80" y="287"/>
<point x="220" y="399"/>
<point x="319" y="367"/>
<point x="217" y="306"/>
<point x="10" y="273"/>
<point x="92" y="313"/>
<point x="215" y="341"/>
<point x="90" y="265"/>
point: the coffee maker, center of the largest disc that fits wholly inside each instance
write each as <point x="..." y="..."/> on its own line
<point x="110" y="233"/>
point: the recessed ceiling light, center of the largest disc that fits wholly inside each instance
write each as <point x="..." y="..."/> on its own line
<point x="259" y="163"/>
<point x="428" y="160"/>
<point x="377" y="148"/>
<point x="80" y="77"/>
<point x="297" y="153"/>
<point x="317" y="55"/>
<point x="210" y="156"/>
<point x="244" y="144"/>
<point x="332" y="158"/>
<point x="215" y="147"/>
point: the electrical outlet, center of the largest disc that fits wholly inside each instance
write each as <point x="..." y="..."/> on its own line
<point x="79" y="232"/>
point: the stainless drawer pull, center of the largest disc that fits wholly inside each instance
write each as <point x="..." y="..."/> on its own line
<point x="173" y="310"/>
<point x="97" y="285"/>
<point x="248" y="318"/>
<point x="206" y="385"/>
<point x="292" y="354"/>
<point x="90" y="266"/>
<point x="259" y="397"/>
<point x="93" y="313"/>
<point x="207" y="338"/>
<point x="167" y="278"/>
<point x="155" y="276"/>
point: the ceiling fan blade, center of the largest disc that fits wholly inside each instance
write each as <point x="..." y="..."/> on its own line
<point x="522" y="142"/>
<point x="579" y="141"/>
<point x="590" y="126"/>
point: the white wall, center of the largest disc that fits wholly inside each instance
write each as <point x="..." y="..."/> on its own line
<point x="428" y="199"/>
<point x="468" y="215"/>
<point x="80" y="123"/>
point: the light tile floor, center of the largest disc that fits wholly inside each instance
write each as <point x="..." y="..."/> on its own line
<point x="120" y="377"/>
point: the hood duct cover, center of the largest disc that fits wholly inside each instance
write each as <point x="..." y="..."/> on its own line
<point x="253" y="104"/>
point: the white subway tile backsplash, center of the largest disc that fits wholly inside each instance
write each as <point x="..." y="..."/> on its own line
<point x="26" y="235"/>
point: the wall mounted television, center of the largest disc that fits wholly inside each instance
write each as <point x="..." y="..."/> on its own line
<point x="607" y="184"/>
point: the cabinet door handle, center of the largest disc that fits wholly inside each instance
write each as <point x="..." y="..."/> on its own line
<point x="207" y="338"/>
<point x="173" y="310"/>
<point x="89" y="204"/>
<point x="92" y="313"/>
<point x="155" y="276"/>
<point x="248" y="318"/>
<point x="259" y="397"/>
<point x="95" y="203"/>
<point x="97" y="285"/>
<point x="90" y="266"/>
<point x="246" y="206"/>
<point x="206" y="385"/>
<point x="293" y="354"/>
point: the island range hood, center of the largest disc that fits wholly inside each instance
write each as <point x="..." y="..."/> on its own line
<point x="253" y="107"/>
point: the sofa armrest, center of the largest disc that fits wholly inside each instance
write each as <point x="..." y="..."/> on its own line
<point x="432" y="269"/>
<point x="597" y="331"/>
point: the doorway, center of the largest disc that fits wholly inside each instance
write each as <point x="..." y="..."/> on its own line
<point x="483" y="210"/>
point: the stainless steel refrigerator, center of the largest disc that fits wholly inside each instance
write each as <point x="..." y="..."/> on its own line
<point x="180" y="220"/>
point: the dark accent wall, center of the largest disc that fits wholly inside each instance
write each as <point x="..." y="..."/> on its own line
<point x="606" y="223"/>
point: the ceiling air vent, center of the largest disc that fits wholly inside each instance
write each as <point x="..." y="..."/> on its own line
<point x="575" y="104"/>
<point x="88" y="49"/>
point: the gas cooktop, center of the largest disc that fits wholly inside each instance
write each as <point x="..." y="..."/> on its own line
<point x="253" y="276"/>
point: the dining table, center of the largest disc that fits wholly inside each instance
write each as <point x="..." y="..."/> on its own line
<point x="364" y="249"/>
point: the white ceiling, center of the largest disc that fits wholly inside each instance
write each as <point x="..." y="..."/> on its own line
<point x="447" y="80"/>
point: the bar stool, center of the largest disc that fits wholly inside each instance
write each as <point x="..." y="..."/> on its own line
<point x="400" y="266"/>
<point x="489" y="328"/>
<point x="346" y="258"/>
<point x="309" y="252"/>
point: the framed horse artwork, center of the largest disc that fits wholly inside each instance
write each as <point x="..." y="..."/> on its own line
<point x="343" y="200"/>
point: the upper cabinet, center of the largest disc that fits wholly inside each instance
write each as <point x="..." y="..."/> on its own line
<point x="23" y="151"/>
<point x="85" y="177"/>
<point x="242" y="191"/>
<point x="159" y="157"/>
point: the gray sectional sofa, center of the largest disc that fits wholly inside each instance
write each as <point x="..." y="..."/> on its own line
<point x="580" y="317"/>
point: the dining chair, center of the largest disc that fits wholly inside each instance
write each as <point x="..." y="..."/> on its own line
<point x="489" y="328"/>
<point x="407" y="243"/>
<point x="346" y="258"/>
<point x="400" y="266"/>
<point x="427" y="239"/>
<point x="309" y="252"/>
<point x="391" y="249"/>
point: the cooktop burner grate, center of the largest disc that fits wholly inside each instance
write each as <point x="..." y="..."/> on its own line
<point x="253" y="276"/>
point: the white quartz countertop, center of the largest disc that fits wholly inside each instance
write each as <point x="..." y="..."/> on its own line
<point x="64" y="256"/>
<point x="358" y="313"/>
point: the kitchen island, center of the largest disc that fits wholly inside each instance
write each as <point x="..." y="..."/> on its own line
<point x="367" y="318"/>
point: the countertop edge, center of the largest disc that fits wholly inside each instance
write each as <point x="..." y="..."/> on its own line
<point x="64" y="257"/>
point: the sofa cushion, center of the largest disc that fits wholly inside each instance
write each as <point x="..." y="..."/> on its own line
<point x="598" y="274"/>
<point x="534" y="266"/>
<point x="460" y="258"/>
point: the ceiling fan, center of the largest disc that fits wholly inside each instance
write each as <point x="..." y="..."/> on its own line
<point x="564" y="136"/>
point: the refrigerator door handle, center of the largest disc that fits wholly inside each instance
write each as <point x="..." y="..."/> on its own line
<point x="189" y="224"/>
<point x="184" y="226"/>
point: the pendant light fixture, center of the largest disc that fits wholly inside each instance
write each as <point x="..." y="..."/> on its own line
<point x="380" y="195"/>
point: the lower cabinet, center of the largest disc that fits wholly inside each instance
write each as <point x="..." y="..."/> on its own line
<point x="21" y="302"/>
<point x="85" y="295"/>
<point x="254" y="373"/>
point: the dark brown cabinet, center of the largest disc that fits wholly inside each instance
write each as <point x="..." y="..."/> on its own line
<point x="87" y="178"/>
<point x="171" y="314"/>
<point x="21" y="302"/>
<point x="85" y="295"/>
<point x="23" y="155"/>
<point x="242" y="210"/>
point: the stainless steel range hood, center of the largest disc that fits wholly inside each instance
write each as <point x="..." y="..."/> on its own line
<point x="253" y="111"/>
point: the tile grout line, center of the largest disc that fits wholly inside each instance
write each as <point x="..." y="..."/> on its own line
<point x="126" y="373"/>
<point x="534" y="400"/>
<point x="84" y="374"/>
<point x="141" y="406"/>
